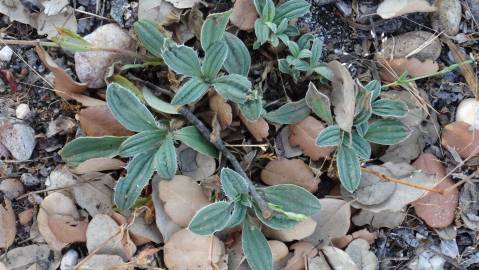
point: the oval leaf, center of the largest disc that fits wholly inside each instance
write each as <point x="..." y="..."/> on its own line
<point x="193" y="138"/>
<point x="374" y="86"/>
<point x="359" y="144"/>
<point x="233" y="183"/>
<point x="158" y="104"/>
<point x="142" y="142"/>
<point x="85" y="148"/>
<point x="211" y="218"/>
<point x="165" y="159"/>
<point x="291" y="9"/>
<point x="233" y="87"/>
<point x="238" y="215"/>
<point x="290" y="113"/>
<point x="238" y="60"/>
<point x="190" y="92"/>
<point x="128" y="109"/>
<point x="330" y="136"/>
<point x="215" y="56"/>
<point x="256" y="248"/>
<point x="150" y="36"/>
<point x="349" y="169"/>
<point x="319" y="103"/>
<point x="292" y="198"/>
<point x="183" y="60"/>
<point x="213" y="28"/>
<point x="387" y="132"/>
<point x="252" y="109"/>
<point x="389" y="108"/>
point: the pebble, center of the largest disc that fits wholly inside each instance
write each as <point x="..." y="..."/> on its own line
<point x="23" y="112"/>
<point x="11" y="188"/>
<point x="448" y="16"/>
<point x="402" y="45"/>
<point x="91" y="67"/>
<point x="6" y="54"/>
<point x="29" y="180"/>
<point x="468" y="112"/>
<point x="18" y="138"/>
<point x="25" y="216"/>
<point x="69" y="260"/>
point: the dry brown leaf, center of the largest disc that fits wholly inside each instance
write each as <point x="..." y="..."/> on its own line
<point x="338" y="259"/>
<point x="182" y="4"/>
<point x="222" y="109"/>
<point x="436" y="209"/>
<point x="333" y="221"/>
<point x="98" y="121"/>
<point x="259" y="128"/>
<point x="194" y="164"/>
<point x="159" y="11"/>
<point x="343" y="95"/>
<point x="25" y="216"/>
<point x="299" y="231"/>
<point x="186" y="250"/>
<point x="244" y="14"/>
<point x="302" y="250"/>
<point x="8" y="228"/>
<point x="304" y="135"/>
<point x="461" y="137"/>
<point x="140" y="232"/>
<point x="342" y="242"/>
<point x="182" y="198"/>
<point x="164" y="223"/>
<point x="381" y="219"/>
<point x="107" y="262"/>
<point x="278" y="249"/>
<point x="98" y="165"/>
<point x="68" y="229"/>
<point x="395" y="8"/>
<point x="358" y="251"/>
<point x="466" y="70"/>
<point x="289" y="171"/>
<point x="11" y="188"/>
<point x="21" y="258"/>
<point x="391" y="69"/>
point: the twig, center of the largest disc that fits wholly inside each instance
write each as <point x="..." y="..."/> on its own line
<point x="151" y="85"/>
<point x="218" y="143"/>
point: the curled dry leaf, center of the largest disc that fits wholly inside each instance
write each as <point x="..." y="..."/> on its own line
<point x="61" y="125"/>
<point x="391" y="69"/>
<point x="304" y="135"/>
<point x="436" y="209"/>
<point x="259" y="128"/>
<point x="395" y="8"/>
<point x="343" y="95"/>
<point x="140" y="232"/>
<point x="11" y="188"/>
<point x="98" y="165"/>
<point x="59" y="221"/>
<point x="338" y="259"/>
<point x="388" y="219"/>
<point x="105" y="233"/>
<point x="333" y="221"/>
<point x="244" y="14"/>
<point x="186" y="250"/>
<point x="289" y="171"/>
<point x="358" y="251"/>
<point x="182" y="198"/>
<point x="98" y="121"/>
<point x="8" y="228"/>
<point x="461" y="137"/>
<point x="164" y="223"/>
<point x="364" y="234"/>
<point x="302" y="250"/>
<point x="299" y="231"/>
<point x="159" y="11"/>
<point x="222" y="109"/>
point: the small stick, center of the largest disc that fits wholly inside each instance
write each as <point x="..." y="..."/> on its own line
<point x="218" y="143"/>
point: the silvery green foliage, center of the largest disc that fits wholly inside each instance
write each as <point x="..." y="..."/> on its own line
<point x="304" y="59"/>
<point x="150" y="150"/>
<point x="273" y="22"/>
<point x="355" y="146"/>
<point x="290" y="203"/>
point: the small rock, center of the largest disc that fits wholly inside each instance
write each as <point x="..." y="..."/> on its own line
<point x="91" y="67"/>
<point x="448" y="16"/>
<point x="18" y="138"/>
<point x="11" y="188"/>
<point x="29" y="180"/>
<point x="461" y="137"/>
<point x="69" y="260"/>
<point x="468" y="112"/>
<point x="4" y="153"/>
<point x="23" y="112"/>
<point x="402" y="45"/>
<point x="6" y="54"/>
<point x="25" y="216"/>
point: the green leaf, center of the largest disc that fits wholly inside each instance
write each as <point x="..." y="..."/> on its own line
<point x="330" y="136"/>
<point x="69" y="40"/>
<point x="165" y="159"/>
<point x="215" y="56"/>
<point x="233" y="183"/>
<point x="211" y="218"/>
<point x="238" y="215"/>
<point x="349" y="169"/>
<point x="262" y="32"/>
<point x="233" y="87"/>
<point x="319" y="103"/>
<point x="291" y="9"/>
<point x="277" y="221"/>
<point x="239" y="59"/>
<point x="150" y="36"/>
<point x="293" y="199"/>
<point x="193" y="138"/>
<point x="387" y="132"/>
<point x="324" y="71"/>
<point x="304" y="42"/>
<point x="290" y="113"/>
<point x="142" y="142"/>
<point x="158" y="104"/>
<point x="389" y="108"/>
<point x="374" y="86"/>
<point x="252" y="109"/>
<point x="127" y="84"/>
<point x="316" y="50"/>
<point x="363" y="110"/>
<point x="190" y="92"/>
<point x="259" y="5"/>
<point x="362" y="128"/>
<point x="213" y="28"/>
<point x="183" y="60"/>
<point x="359" y="144"/>
<point x="256" y="248"/>
<point x="128" y="188"/>
<point x="293" y="48"/>
<point x="268" y="11"/>
<point x="128" y="109"/>
<point x="85" y="148"/>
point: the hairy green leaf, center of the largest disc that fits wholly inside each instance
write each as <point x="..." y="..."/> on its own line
<point x="215" y="56"/>
<point x="85" y="148"/>
<point x="277" y="221"/>
<point x="362" y="128"/>
<point x="239" y="59"/>
<point x="359" y="144"/>
<point x="363" y="109"/>
<point x="330" y="136"/>
<point x="128" y="188"/>
<point x="262" y="32"/>
<point x="128" y="109"/>
<point x="150" y="36"/>
<point x="291" y="9"/>
<point x="238" y="215"/>
<point x="142" y="142"/>
<point x="387" y="132"/>
<point x="211" y="218"/>
<point x="193" y="138"/>
<point x="69" y="40"/>
<point x="316" y="50"/>
<point x="252" y="109"/>
<point x="233" y="183"/>
<point x="389" y="108"/>
<point x="293" y="199"/>
<point x="190" y="92"/>
<point x="268" y="12"/>
<point x="319" y="103"/>
<point x="374" y="86"/>
<point x="183" y="60"/>
<point x="158" y="104"/>
<point x="256" y="248"/>
<point x="349" y="169"/>
<point x="290" y="113"/>
<point x="213" y="28"/>
<point x="165" y="158"/>
<point x="233" y="87"/>
<point x="259" y="5"/>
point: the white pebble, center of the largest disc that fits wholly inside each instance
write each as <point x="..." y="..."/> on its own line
<point x="6" y="54"/>
<point x="468" y="111"/>
<point x="23" y="111"/>
<point x="69" y="260"/>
